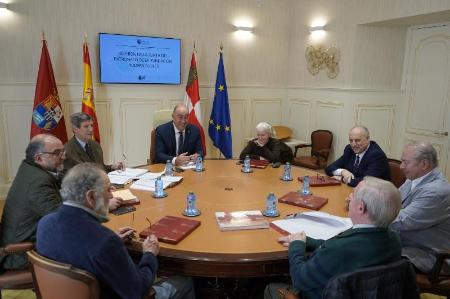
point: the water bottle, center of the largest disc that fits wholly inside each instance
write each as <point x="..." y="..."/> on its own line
<point x="199" y="164"/>
<point x="271" y="206"/>
<point x="247" y="164"/>
<point x="191" y="205"/>
<point x="169" y="168"/>
<point x="159" y="189"/>
<point x="287" y="172"/>
<point x="305" y="189"/>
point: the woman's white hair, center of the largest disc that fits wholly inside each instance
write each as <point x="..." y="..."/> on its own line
<point x="264" y="127"/>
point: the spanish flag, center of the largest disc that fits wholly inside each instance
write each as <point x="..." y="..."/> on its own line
<point x="87" y="104"/>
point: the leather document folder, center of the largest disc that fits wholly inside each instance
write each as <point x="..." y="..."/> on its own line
<point x="321" y="181"/>
<point x="305" y="201"/>
<point x="171" y="229"/>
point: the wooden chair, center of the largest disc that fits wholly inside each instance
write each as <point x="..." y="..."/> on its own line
<point x="394" y="280"/>
<point x="53" y="280"/>
<point x="160" y="117"/>
<point x="15" y="279"/>
<point x="321" y="141"/>
<point x="282" y="132"/>
<point x="435" y="282"/>
<point x="397" y="175"/>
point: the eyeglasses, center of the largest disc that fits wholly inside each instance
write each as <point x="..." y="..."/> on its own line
<point x="58" y="152"/>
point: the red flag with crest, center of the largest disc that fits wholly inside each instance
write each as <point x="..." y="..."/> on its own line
<point x="48" y="116"/>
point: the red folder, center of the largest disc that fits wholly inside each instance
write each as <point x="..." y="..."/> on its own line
<point x="259" y="163"/>
<point x="321" y="181"/>
<point x="305" y="201"/>
<point x="171" y="229"/>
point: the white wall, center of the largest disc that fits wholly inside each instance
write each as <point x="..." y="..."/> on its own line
<point x="266" y="74"/>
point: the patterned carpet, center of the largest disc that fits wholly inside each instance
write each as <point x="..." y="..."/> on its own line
<point x="19" y="294"/>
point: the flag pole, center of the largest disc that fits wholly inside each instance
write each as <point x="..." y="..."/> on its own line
<point x="85" y="37"/>
<point x="43" y="35"/>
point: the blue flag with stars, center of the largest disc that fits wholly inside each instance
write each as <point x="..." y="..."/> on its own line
<point x="219" y="128"/>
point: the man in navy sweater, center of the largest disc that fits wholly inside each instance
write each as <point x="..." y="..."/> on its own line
<point x="362" y="157"/>
<point x="74" y="235"/>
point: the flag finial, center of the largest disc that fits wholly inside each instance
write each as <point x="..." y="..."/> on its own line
<point x="43" y="35"/>
<point x="221" y="47"/>
<point x="85" y="37"/>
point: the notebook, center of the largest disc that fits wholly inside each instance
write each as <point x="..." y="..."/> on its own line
<point x="171" y="229"/>
<point x="321" y="181"/>
<point x="128" y="198"/>
<point x="240" y="220"/>
<point x="305" y="201"/>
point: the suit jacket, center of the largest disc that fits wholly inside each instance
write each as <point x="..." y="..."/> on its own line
<point x="270" y="151"/>
<point x="75" y="154"/>
<point x="424" y="220"/>
<point x="374" y="163"/>
<point x="33" y="194"/>
<point x="72" y="235"/>
<point x="166" y="145"/>
<point x="360" y="247"/>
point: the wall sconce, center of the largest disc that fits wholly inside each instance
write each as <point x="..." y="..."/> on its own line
<point x="244" y="29"/>
<point x="320" y="58"/>
<point x="4" y="5"/>
<point x="316" y="28"/>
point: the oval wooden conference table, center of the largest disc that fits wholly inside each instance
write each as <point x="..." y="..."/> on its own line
<point x="208" y="252"/>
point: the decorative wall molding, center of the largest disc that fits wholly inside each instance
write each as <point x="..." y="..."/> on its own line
<point x="299" y="118"/>
<point x="375" y="122"/>
<point x="266" y="109"/>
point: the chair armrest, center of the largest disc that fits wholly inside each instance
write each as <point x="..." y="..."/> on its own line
<point x="301" y="146"/>
<point x="324" y="153"/>
<point x="435" y="273"/>
<point x="16" y="248"/>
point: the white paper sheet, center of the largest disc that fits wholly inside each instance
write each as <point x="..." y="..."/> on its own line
<point x="317" y="225"/>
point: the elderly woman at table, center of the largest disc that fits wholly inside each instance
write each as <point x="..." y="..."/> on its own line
<point x="264" y="146"/>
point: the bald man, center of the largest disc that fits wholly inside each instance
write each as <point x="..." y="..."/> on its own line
<point x="362" y="157"/>
<point x="33" y="194"/>
<point x="177" y="140"/>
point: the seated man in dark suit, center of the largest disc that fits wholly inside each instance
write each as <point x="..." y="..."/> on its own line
<point x="177" y="140"/>
<point x="74" y="234"/>
<point x="424" y="220"/>
<point x="82" y="148"/>
<point x="33" y="194"/>
<point x="372" y="206"/>
<point x="362" y="157"/>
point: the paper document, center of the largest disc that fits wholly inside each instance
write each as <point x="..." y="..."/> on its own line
<point x="152" y="175"/>
<point x="190" y="165"/>
<point x="149" y="184"/>
<point x="317" y="225"/>
<point x="119" y="179"/>
<point x="132" y="173"/>
<point x="125" y="194"/>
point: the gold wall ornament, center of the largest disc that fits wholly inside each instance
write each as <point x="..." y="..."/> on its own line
<point x="320" y="58"/>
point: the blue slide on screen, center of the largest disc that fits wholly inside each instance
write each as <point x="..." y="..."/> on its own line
<point x="139" y="59"/>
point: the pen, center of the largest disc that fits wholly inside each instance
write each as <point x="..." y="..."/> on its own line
<point x="291" y="216"/>
<point x="132" y="220"/>
<point x="149" y="222"/>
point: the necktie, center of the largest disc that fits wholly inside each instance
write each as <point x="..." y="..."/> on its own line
<point x="88" y="150"/>
<point x="180" y="143"/>
<point x="357" y="162"/>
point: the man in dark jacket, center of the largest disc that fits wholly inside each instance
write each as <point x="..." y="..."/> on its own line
<point x="33" y="194"/>
<point x="74" y="234"/>
<point x="177" y="140"/>
<point x="362" y="157"/>
<point x="373" y="205"/>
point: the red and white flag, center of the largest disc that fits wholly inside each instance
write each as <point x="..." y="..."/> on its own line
<point x="192" y="100"/>
<point x="48" y="116"/>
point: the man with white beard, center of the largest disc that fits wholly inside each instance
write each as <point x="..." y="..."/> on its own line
<point x="74" y="235"/>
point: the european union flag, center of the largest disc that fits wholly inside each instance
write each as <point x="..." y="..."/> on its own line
<point x="219" y="128"/>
